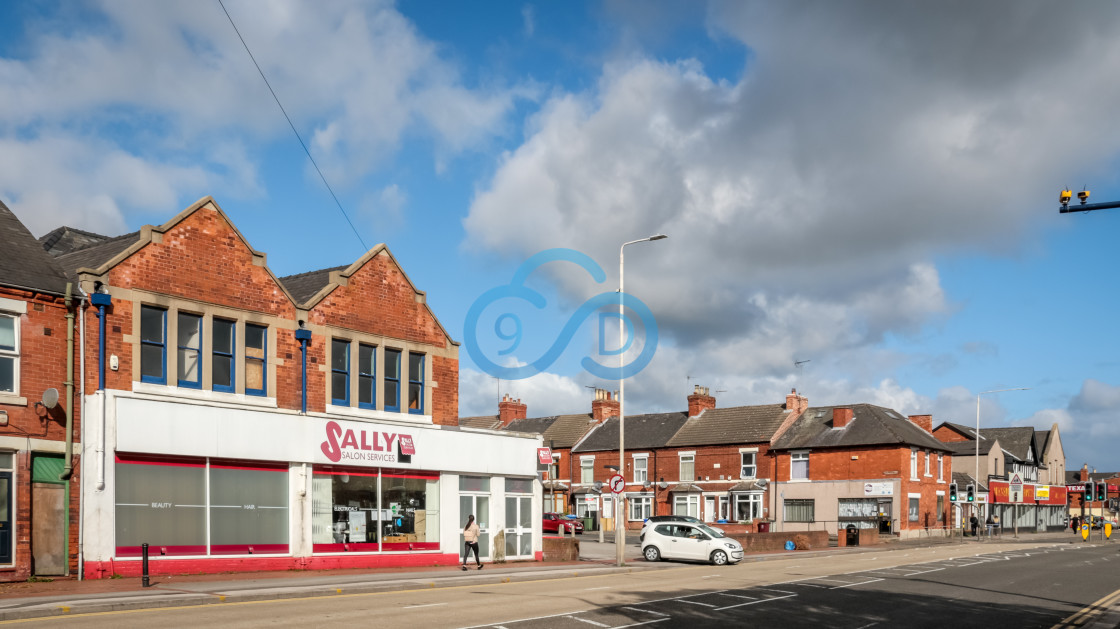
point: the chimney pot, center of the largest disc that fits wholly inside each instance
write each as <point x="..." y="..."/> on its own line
<point x="604" y="406"/>
<point x="700" y="401"/>
<point x="510" y="410"/>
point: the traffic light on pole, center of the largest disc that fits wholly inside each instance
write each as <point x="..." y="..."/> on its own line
<point x="1102" y="492"/>
<point x="971" y="491"/>
<point x="952" y="492"/>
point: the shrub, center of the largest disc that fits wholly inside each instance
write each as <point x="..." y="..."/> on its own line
<point x="800" y="542"/>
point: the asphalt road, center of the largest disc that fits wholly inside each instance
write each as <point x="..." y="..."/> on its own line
<point x="987" y="585"/>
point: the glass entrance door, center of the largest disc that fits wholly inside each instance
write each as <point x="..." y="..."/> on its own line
<point x="479" y="507"/>
<point x="5" y="517"/>
<point x="519" y="526"/>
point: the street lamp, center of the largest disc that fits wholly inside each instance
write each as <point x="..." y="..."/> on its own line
<point x="977" y="479"/>
<point x="620" y="503"/>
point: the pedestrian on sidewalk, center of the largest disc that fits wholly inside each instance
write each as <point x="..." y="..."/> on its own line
<point x="470" y="542"/>
<point x="975" y="523"/>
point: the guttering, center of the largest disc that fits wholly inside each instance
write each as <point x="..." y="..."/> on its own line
<point x="101" y="300"/>
<point x="68" y="471"/>
<point x="304" y="337"/>
<point x="82" y="415"/>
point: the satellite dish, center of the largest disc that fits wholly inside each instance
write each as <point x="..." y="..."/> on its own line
<point x="50" y="397"/>
<point x="647" y="484"/>
<point x="663" y="485"/>
<point x="762" y="482"/>
<point x="598" y="485"/>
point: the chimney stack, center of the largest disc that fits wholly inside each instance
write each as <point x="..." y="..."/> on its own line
<point x="925" y="422"/>
<point x="1084" y="472"/>
<point x="795" y="403"/>
<point x="604" y="406"/>
<point x="700" y="401"/>
<point x="510" y="409"/>
<point x="841" y="417"/>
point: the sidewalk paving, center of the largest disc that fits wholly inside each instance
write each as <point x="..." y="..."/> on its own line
<point x="66" y="596"/>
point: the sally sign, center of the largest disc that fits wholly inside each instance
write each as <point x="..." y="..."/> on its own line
<point x="363" y="445"/>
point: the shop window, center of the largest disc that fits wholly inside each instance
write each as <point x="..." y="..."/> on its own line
<point x="340" y="372"/>
<point x="248" y="510"/>
<point x="748" y="507"/>
<point x="411" y="503"/>
<point x="799" y="466"/>
<point x="416" y="384"/>
<point x="640" y="507"/>
<point x="256" y="359"/>
<point x="344" y="514"/>
<point x="641" y="469"/>
<point x="748" y="469"/>
<point x="862" y="512"/>
<point x="367" y="376"/>
<point x="688" y="467"/>
<point x="9" y="354"/>
<point x="799" y="510"/>
<point x="221" y="355"/>
<point x="519" y="517"/>
<point x="479" y="484"/>
<point x="161" y="503"/>
<point x="392" y="382"/>
<point x="153" y="345"/>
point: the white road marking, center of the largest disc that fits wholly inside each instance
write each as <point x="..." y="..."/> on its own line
<point x="428" y="605"/>
<point x="590" y="622"/>
<point x="751" y="598"/>
<point x="605" y="587"/>
<point x="648" y="611"/>
<point x="765" y="600"/>
<point x="853" y="584"/>
<point x="647" y="622"/>
<point x="695" y="603"/>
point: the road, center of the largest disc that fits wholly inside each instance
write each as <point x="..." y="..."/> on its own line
<point x="987" y="585"/>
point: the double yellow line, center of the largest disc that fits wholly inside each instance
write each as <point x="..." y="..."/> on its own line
<point x="1090" y="613"/>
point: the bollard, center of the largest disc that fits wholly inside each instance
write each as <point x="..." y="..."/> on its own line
<point x="144" y="550"/>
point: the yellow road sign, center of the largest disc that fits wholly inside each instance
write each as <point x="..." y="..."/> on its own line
<point x="1108" y="530"/>
<point x="1085" y="532"/>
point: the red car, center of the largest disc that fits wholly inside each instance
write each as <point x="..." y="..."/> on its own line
<point x="553" y="521"/>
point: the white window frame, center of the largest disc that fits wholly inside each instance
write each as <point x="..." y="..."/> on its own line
<point x="723" y="508"/>
<point x="643" y="504"/>
<point x="743" y="452"/>
<point x="690" y="503"/>
<point x="586" y="464"/>
<point x="914" y="464"/>
<point x="753" y="498"/>
<point x="691" y="457"/>
<point x="794" y="457"/>
<point x="928" y="454"/>
<point x="644" y="476"/>
<point x="14" y="353"/>
<point x="940" y="467"/>
<point x="917" y="517"/>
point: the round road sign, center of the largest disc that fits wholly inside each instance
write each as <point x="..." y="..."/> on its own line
<point x="617" y="483"/>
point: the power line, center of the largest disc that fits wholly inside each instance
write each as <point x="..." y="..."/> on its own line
<point x="289" y="119"/>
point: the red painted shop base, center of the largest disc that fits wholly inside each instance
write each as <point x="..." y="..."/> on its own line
<point x="163" y="566"/>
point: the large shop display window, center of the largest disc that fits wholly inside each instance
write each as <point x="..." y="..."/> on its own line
<point x="163" y="503"/>
<point x="356" y="510"/>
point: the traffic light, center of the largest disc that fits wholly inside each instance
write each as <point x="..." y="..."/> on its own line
<point x="952" y="492"/>
<point x="1102" y="492"/>
<point x="971" y="490"/>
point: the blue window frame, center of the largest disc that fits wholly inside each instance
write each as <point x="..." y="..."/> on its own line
<point x="367" y="376"/>
<point x="340" y="372"/>
<point x="415" y="384"/>
<point x="256" y="359"/>
<point x="153" y="345"/>
<point x="189" y="353"/>
<point x="222" y="370"/>
<point x="393" y="380"/>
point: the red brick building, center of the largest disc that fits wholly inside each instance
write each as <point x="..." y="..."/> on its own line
<point x="39" y="484"/>
<point x="863" y="466"/>
<point x="237" y="420"/>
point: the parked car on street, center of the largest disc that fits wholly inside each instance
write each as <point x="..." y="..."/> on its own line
<point x="657" y="519"/>
<point x="553" y="521"/>
<point x="692" y="542"/>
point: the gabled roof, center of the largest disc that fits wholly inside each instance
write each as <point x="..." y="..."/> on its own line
<point x="739" y="424"/>
<point x="968" y="448"/>
<point x="1017" y="441"/>
<point x="871" y="425"/>
<point x="962" y="479"/>
<point x="62" y="240"/>
<point x="96" y="254"/>
<point x="965" y="431"/>
<point x="23" y="262"/>
<point x="562" y="431"/>
<point x="490" y="422"/>
<point x="643" y="432"/>
<point x="304" y="286"/>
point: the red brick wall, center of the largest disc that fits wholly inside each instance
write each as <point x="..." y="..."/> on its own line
<point x="445" y="397"/>
<point x="948" y="435"/>
<point x="42" y="333"/>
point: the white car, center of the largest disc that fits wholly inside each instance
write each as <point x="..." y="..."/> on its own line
<point x="683" y="540"/>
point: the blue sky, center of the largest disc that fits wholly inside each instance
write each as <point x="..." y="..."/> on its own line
<point x="870" y="187"/>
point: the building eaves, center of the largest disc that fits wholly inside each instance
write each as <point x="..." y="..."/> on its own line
<point x="24" y="263"/>
<point x="62" y="240"/>
<point x="870" y="426"/>
<point x="489" y="422"/>
<point x="643" y="432"/>
<point x="304" y="286"/>
<point x="738" y="424"/>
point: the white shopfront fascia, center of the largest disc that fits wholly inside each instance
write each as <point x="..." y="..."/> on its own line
<point x="146" y="425"/>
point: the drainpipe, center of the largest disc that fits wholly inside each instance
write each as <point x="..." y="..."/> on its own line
<point x="81" y="414"/>
<point x="304" y="337"/>
<point x="69" y="470"/>
<point x="101" y="300"/>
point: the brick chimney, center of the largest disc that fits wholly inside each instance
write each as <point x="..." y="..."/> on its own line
<point x="925" y="422"/>
<point x="1084" y="472"/>
<point x="795" y="403"/>
<point x="841" y="417"/>
<point x="604" y="406"/>
<point x="510" y="409"/>
<point x="700" y="401"/>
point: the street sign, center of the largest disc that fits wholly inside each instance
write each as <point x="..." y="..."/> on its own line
<point x="1085" y="532"/>
<point x="1015" y="490"/>
<point x="1108" y="530"/>
<point x="617" y="483"/>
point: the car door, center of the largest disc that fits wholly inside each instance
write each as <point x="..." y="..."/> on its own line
<point x="694" y="544"/>
<point x="668" y="540"/>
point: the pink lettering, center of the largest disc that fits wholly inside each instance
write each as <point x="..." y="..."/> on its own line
<point x="330" y="446"/>
<point x="389" y="437"/>
<point x="366" y="446"/>
<point x="349" y="440"/>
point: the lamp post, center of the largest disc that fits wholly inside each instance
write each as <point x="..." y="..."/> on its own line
<point x="620" y="502"/>
<point x="977" y="479"/>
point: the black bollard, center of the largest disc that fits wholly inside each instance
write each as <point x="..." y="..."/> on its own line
<point x="144" y="550"/>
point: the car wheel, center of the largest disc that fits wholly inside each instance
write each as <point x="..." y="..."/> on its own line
<point x="652" y="554"/>
<point x="719" y="558"/>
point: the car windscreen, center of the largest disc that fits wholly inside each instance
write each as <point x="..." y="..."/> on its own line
<point x="709" y="530"/>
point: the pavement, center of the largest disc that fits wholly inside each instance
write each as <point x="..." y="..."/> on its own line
<point x="65" y="596"/>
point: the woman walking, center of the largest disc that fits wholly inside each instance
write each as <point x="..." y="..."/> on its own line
<point x="470" y="537"/>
